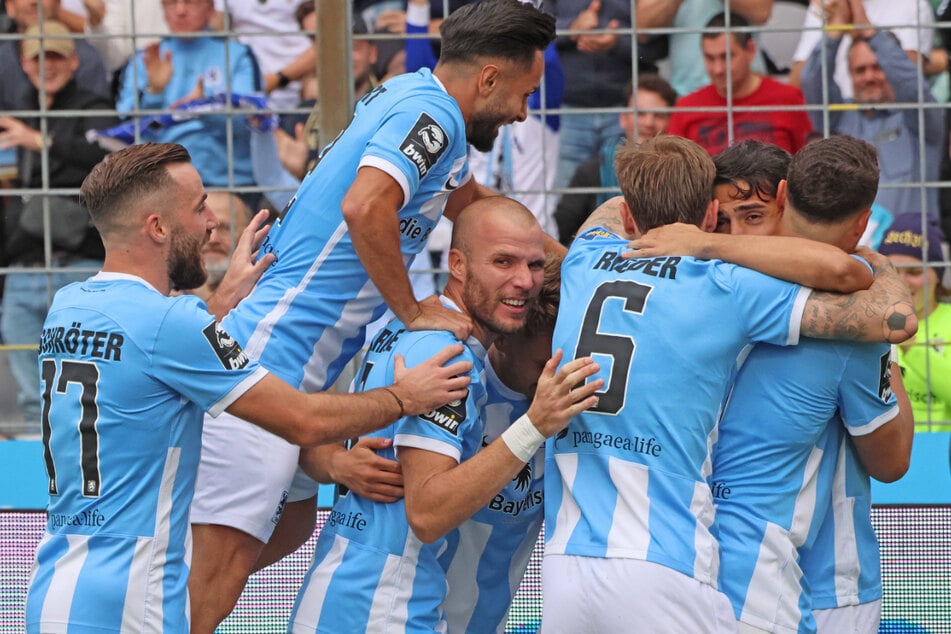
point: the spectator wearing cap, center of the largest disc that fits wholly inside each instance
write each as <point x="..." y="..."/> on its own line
<point x="925" y="360"/>
<point x="50" y="61"/>
<point x="15" y="94"/>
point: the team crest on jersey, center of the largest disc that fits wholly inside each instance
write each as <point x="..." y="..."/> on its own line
<point x="424" y="144"/>
<point x="885" y="380"/>
<point x="595" y="233"/>
<point x="449" y="416"/>
<point x="228" y="351"/>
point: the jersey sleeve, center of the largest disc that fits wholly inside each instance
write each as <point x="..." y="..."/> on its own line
<point x="442" y="430"/>
<point x="866" y="401"/>
<point x="771" y="308"/>
<point x="411" y="138"/>
<point x="195" y="356"/>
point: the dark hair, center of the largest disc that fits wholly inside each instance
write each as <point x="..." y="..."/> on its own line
<point x="506" y="29"/>
<point x="656" y="84"/>
<point x="760" y="165"/>
<point x="832" y="179"/>
<point x="665" y="179"/>
<point x="543" y="311"/>
<point x="717" y="24"/>
<point x="124" y="177"/>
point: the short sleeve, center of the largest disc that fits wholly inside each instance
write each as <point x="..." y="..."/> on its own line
<point x="866" y="401"/>
<point x="411" y="139"/>
<point x="771" y="308"/>
<point x="442" y="430"/>
<point x="196" y="357"/>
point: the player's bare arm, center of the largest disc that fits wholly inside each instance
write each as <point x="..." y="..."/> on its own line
<point x="361" y="469"/>
<point x="243" y="272"/>
<point x="441" y="493"/>
<point x="798" y="260"/>
<point x="884" y="312"/>
<point x="314" y="419"/>
<point x="370" y="209"/>
<point x="607" y="215"/>
<point x="886" y="452"/>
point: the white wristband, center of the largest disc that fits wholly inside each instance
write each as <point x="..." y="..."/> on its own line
<point x="522" y="438"/>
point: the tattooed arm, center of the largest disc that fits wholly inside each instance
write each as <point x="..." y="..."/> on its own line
<point x="608" y="215"/>
<point x="885" y="312"/>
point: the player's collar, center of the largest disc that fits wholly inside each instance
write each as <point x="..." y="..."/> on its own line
<point x="111" y="276"/>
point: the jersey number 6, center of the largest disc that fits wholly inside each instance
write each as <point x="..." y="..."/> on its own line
<point x="620" y="348"/>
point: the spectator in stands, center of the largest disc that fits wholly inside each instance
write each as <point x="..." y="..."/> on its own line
<point x="270" y="29"/>
<point x="925" y="360"/>
<point x="298" y="135"/>
<point x="599" y="67"/>
<point x="653" y="93"/>
<point x="17" y="88"/>
<point x="74" y="243"/>
<point x="233" y="217"/>
<point x="913" y="22"/>
<point x="687" y="73"/>
<point x="728" y="58"/>
<point x="881" y="74"/>
<point x="183" y="68"/>
<point x="115" y="22"/>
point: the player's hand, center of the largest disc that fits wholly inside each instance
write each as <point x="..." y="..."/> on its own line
<point x="676" y="239"/>
<point x="367" y="473"/>
<point x="243" y="271"/>
<point x="432" y="383"/>
<point x="563" y="395"/>
<point x="432" y="315"/>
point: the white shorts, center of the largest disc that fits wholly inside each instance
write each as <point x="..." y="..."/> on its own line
<point x="244" y="476"/>
<point x="851" y="619"/>
<point x="592" y="594"/>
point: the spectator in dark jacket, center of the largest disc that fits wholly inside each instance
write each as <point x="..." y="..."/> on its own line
<point x="74" y="243"/>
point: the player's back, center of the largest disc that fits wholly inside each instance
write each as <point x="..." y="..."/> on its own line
<point x="628" y="477"/>
<point x="122" y="431"/>
<point x="305" y="318"/>
<point x="841" y="563"/>
<point x="773" y="465"/>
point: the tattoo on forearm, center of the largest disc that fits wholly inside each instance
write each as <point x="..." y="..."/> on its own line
<point x="883" y="312"/>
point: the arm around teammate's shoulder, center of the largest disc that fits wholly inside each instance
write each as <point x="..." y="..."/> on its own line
<point x="884" y="312"/>
<point x="314" y="419"/>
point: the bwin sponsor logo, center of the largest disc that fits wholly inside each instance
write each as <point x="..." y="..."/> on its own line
<point x="449" y="416"/>
<point x="433" y="138"/>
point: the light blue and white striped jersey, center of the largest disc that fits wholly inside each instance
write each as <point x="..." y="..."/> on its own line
<point x="771" y="477"/>
<point x="370" y="572"/>
<point x="842" y="565"/>
<point x="126" y="373"/>
<point x="486" y="557"/>
<point x="628" y="478"/>
<point x="305" y="319"/>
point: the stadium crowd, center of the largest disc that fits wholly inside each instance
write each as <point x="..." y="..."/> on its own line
<point x="744" y="197"/>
